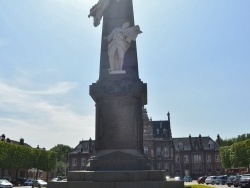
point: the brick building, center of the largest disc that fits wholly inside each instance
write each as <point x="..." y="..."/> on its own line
<point x="80" y="155"/>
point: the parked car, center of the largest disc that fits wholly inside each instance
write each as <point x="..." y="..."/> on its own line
<point x="39" y="183"/>
<point x="201" y="179"/>
<point x="230" y="181"/>
<point x="221" y="180"/>
<point x="187" y="179"/>
<point x="210" y="180"/>
<point x="237" y="181"/>
<point x="28" y="182"/>
<point x="55" y="179"/>
<point x="5" y="183"/>
<point x="245" y="181"/>
<point x="18" y="181"/>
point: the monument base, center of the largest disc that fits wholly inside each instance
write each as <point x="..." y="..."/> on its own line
<point x="144" y="184"/>
<point x="117" y="179"/>
<point x="118" y="160"/>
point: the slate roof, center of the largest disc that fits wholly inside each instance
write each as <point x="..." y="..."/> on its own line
<point x="83" y="146"/>
<point x="161" y="129"/>
<point x="190" y="143"/>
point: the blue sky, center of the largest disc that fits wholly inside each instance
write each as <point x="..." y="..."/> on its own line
<point x="193" y="54"/>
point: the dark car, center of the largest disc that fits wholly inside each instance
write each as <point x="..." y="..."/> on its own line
<point x="230" y="181"/>
<point x="201" y="179"/>
<point x="236" y="181"/>
<point x="19" y="181"/>
<point x="245" y="181"/>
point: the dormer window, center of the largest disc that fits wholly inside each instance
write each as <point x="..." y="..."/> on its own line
<point x="210" y="145"/>
<point x="158" y="131"/>
<point x="180" y="146"/>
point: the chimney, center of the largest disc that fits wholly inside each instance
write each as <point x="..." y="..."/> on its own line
<point x="21" y="141"/>
<point x="218" y="139"/>
<point x="2" y="137"/>
<point x="168" y="117"/>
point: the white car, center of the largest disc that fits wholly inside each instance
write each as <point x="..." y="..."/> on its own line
<point x="5" y="184"/>
<point x="39" y="183"/>
<point x="210" y="180"/>
<point x="55" y="179"/>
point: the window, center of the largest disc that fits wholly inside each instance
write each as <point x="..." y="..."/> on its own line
<point x="197" y="168"/>
<point x="209" y="168"/>
<point x="158" y="131"/>
<point x="159" y="166"/>
<point x="208" y="158"/>
<point x="152" y="153"/>
<point x="217" y="157"/>
<point x="165" y="151"/>
<point x="217" y="167"/>
<point x="158" y="151"/>
<point x="146" y="151"/>
<point x="197" y="158"/>
<point x="186" y="159"/>
<point x="80" y="149"/>
<point x="177" y="159"/>
<point x="83" y="161"/>
<point x="211" y="144"/>
<point x="166" y="166"/>
<point x="74" y="162"/>
<point x="180" y="146"/>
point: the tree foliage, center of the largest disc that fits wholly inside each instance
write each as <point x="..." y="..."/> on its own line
<point x="225" y="156"/>
<point x="14" y="156"/>
<point x="62" y="152"/>
<point x="231" y="141"/>
<point x="236" y="155"/>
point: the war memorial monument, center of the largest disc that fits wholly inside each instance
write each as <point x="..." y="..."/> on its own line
<point x="119" y="95"/>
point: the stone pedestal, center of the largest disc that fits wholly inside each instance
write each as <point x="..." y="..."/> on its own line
<point x="140" y="184"/>
<point x="119" y="126"/>
<point x="117" y="179"/>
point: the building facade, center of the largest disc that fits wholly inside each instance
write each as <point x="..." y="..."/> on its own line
<point x="79" y="157"/>
<point x="194" y="156"/>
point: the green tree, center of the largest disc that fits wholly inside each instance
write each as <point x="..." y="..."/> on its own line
<point x="62" y="152"/>
<point x="240" y="154"/>
<point x="62" y="155"/>
<point x="225" y="156"/>
<point x="50" y="162"/>
<point x="231" y="141"/>
<point x="3" y="156"/>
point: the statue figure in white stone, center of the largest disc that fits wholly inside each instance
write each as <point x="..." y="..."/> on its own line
<point x="119" y="42"/>
<point x="97" y="11"/>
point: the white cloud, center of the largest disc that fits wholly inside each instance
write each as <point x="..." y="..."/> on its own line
<point x="34" y="116"/>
